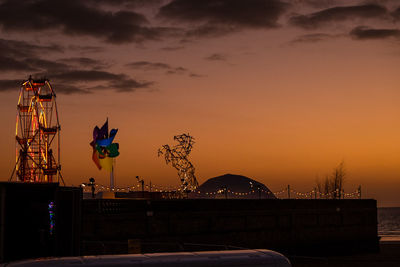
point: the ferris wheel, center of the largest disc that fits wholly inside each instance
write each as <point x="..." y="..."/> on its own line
<point x="37" y="134"/>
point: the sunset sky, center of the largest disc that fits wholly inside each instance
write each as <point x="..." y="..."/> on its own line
<point x="279" y="91"/>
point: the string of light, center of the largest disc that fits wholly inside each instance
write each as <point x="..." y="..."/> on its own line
<point x="138" y="187"/>
<point x="280" y="194"/>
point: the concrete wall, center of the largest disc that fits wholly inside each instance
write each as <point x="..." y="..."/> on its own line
<point x="295" y="226"/>
<point x="25" y="220"/>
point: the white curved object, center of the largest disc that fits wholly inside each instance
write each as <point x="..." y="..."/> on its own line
<point x="233" y="258"/>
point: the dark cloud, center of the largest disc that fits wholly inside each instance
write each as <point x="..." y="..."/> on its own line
<point x="43" y="64"/>
<point x="312" y="38"/>
<point x="365" y="33"/>
<point x="74" y="17"/>
<point x="210" y="31"/>
<point x="86" y="49"/>
<point x="85" y="76"/>
<point x="127" y="3"/>
<point x="69" y="89"/>
<point x="216" y="57"/>
<point x="23" y="56"/>
<point x="318" y="3"/>
<point x="396" y="14"/>
<point x="194" y="75"/>
<point x="129" y="85"/>
<point x="149" y="66"/>
<point x="84" y="62"/>
<point x="337" y="14"/>
<point x="178" y="70"/>
<point x="10" y="85"/>
<point x="69" y="80"/>
<point x="13" y="48"/>
<point x="108" y="80"/>
<point x="29" y="64"/>
<point x="250" y="13"/>
<point x="11" y="64"/>
<point x="72" y="75"/>
<point x="172" y="48"/>
<point x="218" y="17"/>
<point x="146" y="65"/>
<point x="154" y="66"/>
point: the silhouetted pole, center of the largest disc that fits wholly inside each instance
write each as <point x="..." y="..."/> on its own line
<point x="142" y="183"/>
<point x="226" y="192"/>
<point x="150" y="186"/>
<point x="315" y="193"/>
<point x="288" y="191"/>
<point x="112" y="179"/>
<point x="92" y="184"/>
<point x="359" y="192"/>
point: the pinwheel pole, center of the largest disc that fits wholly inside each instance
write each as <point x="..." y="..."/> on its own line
<point x="112" y="184"/>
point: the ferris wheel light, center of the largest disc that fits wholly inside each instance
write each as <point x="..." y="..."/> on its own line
<point x="37" y="133"/>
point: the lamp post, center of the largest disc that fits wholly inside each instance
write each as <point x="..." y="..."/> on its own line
<point x="141" y="181"/>
<point x="92" y="185"/>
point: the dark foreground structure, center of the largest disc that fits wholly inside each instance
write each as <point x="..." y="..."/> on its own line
<point x="39" y="220"/>
<point x="294" y="226"/>
<point x="119" y="226"/>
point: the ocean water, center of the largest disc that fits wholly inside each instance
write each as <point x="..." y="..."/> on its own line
<point x="389" y="224"/>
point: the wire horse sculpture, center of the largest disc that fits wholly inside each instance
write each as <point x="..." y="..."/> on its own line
<point x="178" y="157"/>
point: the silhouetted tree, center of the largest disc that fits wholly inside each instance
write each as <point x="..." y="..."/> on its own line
<point x="332" y="186"/>
<point x="337" y="180"/>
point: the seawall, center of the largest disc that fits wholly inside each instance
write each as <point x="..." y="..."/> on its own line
<point x="42" y="220"/>
<point x="291" y="226"/>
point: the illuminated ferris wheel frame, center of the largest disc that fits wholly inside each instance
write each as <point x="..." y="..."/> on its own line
<point x="37" y="134"/>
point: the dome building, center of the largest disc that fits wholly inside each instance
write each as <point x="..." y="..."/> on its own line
<point x="232" y="186"/>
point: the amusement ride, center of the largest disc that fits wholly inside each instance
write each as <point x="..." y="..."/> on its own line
<point x="37" y="134"/>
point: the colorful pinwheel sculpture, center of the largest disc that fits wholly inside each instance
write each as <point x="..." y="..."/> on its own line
<point x="104" y="150"/>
